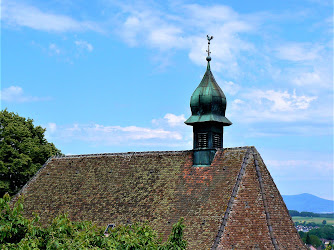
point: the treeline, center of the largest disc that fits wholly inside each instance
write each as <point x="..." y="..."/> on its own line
<point x="310" y="214"/>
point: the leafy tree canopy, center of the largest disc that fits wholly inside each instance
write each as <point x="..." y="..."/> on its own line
<point x="325" y="232"/>
<point x="17" y="232"/>
<point x="312" y="240"/>
<point x="23" y="150"/>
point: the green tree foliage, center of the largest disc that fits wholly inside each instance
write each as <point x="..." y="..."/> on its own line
<point x="308" y="239"/>
<point x="325" y="232"/>
<point x="175" y="240"/>
<point x="17" y="232"/>
<point x="315" y="241"/>
<point x="310" y="214"/>
<point x="23" y="150"/>
<point x="301" y="234"/>
<point x="312" y="240"/>
<point x="294" y="213"/>
<point x="329" y="247"/>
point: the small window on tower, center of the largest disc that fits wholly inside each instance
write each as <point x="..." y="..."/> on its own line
<point x="202" y="140"/>
<point x="217" y="141"/>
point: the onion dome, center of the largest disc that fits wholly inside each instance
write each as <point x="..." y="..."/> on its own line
<point x="208" y="102"/>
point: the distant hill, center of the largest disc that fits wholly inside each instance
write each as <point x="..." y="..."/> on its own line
<point x="308" y="203"/>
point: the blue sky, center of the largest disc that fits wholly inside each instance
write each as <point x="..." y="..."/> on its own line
<point x="117" y="76"/>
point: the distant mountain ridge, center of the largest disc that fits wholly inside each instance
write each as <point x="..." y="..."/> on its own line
<point x="308" y="203"/>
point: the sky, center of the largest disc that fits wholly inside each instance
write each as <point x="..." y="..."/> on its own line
<point x="117" y="76"/>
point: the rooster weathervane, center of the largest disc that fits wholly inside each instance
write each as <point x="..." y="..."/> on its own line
<point x="209" y="40"/>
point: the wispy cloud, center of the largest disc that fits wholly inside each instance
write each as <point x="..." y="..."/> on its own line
<point x="318" y="165"/>
<point x="311" y="169"/>
<point x="84" y="45"/>
<point x="234" y="47"/>
<point x="162" y="133"/>
<point x="16" y="94"/>
<point x="18" y="14"/>
<point x="298" y="52"/>
<point x="142" y="24"/>
<point x="54" y="49"/>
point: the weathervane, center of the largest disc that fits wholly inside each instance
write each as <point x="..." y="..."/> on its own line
<point x="208" y="58"/>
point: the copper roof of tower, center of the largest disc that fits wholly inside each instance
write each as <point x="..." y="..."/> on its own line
<point x="208" y="102"/>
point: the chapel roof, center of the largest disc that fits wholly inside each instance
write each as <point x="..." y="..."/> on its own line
<point x="232" y="203"/>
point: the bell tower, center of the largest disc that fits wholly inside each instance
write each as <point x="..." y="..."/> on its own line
<point x="208" y="105"/>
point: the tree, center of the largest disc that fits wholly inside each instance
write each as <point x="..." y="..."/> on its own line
<point x="312" y="240"/>
<point x="324" y="222"/>
<point x="301" y="234"/>
<point x="175" y="240"/>
<point x="17" y="232"/>
<point x="23" y="150"/>
<point x="325" y="232"/>
<point x="308" y="239"/>
<point x="294" y="213"/>
<point x="315" y="241"/>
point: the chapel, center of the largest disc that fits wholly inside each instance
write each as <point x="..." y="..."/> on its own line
<point x="226" y="196"/>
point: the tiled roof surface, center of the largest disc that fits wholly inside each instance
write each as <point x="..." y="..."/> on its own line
<point x="161" y="187"/>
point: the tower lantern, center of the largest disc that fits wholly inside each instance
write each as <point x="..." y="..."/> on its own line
<point x="208" y="105"/>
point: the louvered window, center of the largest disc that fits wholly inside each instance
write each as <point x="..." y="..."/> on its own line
<point x="202" y="140"/>
<point x="217" y="142"/>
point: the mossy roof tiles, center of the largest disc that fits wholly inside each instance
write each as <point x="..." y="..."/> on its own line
<point x="161" y="187"/>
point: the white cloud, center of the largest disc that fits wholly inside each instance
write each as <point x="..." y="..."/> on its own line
<point x="150" y="27"/>
<point x="270" y="106"/>
<point x="142" y="24"/>
<point x="84" y="45"/>
<point x="321" y="77"/>
<point x="199" y="13"/>
<point x="233" y="48"/>
<point x="174" y="120"/>
<point x="134" y="132"/>
<point x="298" y="52"/>
<point x="165" y="37"/>
<point x="165" y="132"/>
<point x="18" y="14"/>
<point x="16" y="94"/>
<point x="112" y="135"/>
<point x="169" y="120"/>
<point x="228" y="87"/>
<point x="310" y="65"/>
<point x="281" y="100"/>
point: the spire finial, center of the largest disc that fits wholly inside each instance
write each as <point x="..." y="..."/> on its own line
<point x="208" y="58"/>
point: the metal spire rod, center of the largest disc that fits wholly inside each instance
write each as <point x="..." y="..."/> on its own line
<point x="209" y="39"/>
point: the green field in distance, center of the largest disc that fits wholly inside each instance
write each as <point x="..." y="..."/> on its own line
<point x="317" y="220"/>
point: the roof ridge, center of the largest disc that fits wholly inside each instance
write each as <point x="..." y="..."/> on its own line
<point x="136" y="153"/>
<point x="233" y="195"/>
<point x="279" y="195"/>
<point x="264" y="199"/>
<point x="121" y="153"/>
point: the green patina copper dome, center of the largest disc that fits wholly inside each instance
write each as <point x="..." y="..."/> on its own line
<point x="208" y="102"/>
